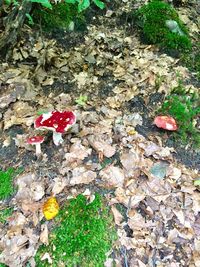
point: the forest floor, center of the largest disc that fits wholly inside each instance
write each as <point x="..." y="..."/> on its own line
<point x="114" y="148"/>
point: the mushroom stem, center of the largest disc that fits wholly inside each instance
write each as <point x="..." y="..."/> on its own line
<point x="38" y="149"/>
<point x="57" y="138"/>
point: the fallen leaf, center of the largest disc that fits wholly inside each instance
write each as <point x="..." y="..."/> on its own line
<point x="50" y="208"/>
<point x="117" y="215"/>
<point x="81" y="175"/>
<point x="112" y="176"/>
<point x="59" y="185"/>
<point x="101" y="146"/>
<point x="44" y="234"/>
<point x="47" y="257"/>
<point x="159" y="169"/>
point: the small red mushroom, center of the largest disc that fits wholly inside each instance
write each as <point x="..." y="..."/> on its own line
<point x="56" y="121"/>
<point x="166" y="122"/>
<point x="37" y="141"/>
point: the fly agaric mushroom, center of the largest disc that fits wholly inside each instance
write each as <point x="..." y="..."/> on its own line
<point x="56" y="121"/>
<point x="166" y="122"/>
<point x="37" y="141"/>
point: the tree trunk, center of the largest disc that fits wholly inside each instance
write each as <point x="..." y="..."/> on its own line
<point x="13" y="23"/>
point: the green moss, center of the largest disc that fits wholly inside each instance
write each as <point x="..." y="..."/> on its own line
<point x="6" y="183"/>
<point x="59" y="17"/>
<point x="4" y="214"/>
<point x="83" y="235"/>
<point x="152" y="21"/>
<point x="192" y="60"/>
<point x="185" y="108"/>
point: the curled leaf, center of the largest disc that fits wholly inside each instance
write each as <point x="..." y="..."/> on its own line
<point x="197" y="182"/>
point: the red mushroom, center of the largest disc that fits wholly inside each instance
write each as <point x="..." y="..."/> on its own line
<point x="56" y="121"/>
<point x="166" y="122"/>
<point x="37" y="141"/>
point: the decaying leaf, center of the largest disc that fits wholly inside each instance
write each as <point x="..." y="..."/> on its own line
<point x="81" y="175"/>
<point x="101" y="146"/>
<point x="44" y="234"/>
<point x="29" y="188"/>
<point x="112" y="176"/>
<point x="117" y="215"/>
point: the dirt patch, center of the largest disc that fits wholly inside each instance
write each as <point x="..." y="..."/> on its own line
<point x="185" y="154"/>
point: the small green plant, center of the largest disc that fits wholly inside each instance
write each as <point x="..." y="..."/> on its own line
<point x="184" y="107"/>
<point x="160" y="24"/>
<point x="83" y="235"/>
<point x="4" y="214"/>
<point x="57" y="14"/>
<point x="82" y="4"/>
<point x="6" y="183"/>
<point x="58" y="17"/>
<point x="81" y="101"/>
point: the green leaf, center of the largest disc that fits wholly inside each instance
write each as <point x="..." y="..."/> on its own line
<point x="70" y="1"/>
<point x="30" y="19"/>
<point x="81" y="101"/>
<point x="197" y="182"/>
<point x="8" y="2"/>
<point x="84" y="4"/>
<point x="44" y="3"/>
<point x="40" y="112"/>
<point x="99" y="3"/>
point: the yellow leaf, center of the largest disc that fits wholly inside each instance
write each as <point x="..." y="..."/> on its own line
<point x="50" y="208"/>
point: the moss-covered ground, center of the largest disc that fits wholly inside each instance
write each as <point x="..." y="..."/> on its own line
<point x="82" y="236"/>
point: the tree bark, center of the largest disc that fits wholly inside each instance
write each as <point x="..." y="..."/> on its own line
<point x="13" y="23"/>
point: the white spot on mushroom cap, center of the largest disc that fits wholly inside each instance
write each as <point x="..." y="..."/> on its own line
<point x="169" y="126"/>
<point x="46" y="116"/>
<point x="35" y="140"/>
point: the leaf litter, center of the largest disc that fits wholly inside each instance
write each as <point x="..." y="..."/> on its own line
<point x="152" y="197"/>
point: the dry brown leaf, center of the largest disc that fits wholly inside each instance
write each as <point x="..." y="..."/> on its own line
<point x="130" y="161"/>
<point x="112" y="176"/>
<point x="117" y="215"/>
<point x="78" y="152"/>
<point x="29" y="188"/>
<point x="81" y="175"/>
<point x="17" y="250"/>
<point x="44" y="236"/>
<point x="81" y="79"/>
<point x="59" y="185"/>
<point x="47" y="257"/>
<point x="101" y="146"/>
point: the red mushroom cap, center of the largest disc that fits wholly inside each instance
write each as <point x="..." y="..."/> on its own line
<point x="166" y="122"/>
<point x="35" y="140"/>
<point x="56" y="121"/>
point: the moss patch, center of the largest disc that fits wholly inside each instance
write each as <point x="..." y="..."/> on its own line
<point x="192" y="60"/>
<point x="6" y="183"/>
<point x="152" y="19"/>
<point x="59" y="17"/>
<point x="185" y="108"/>
<point x="84" y="234"/>
<point x="5" y="214"/>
